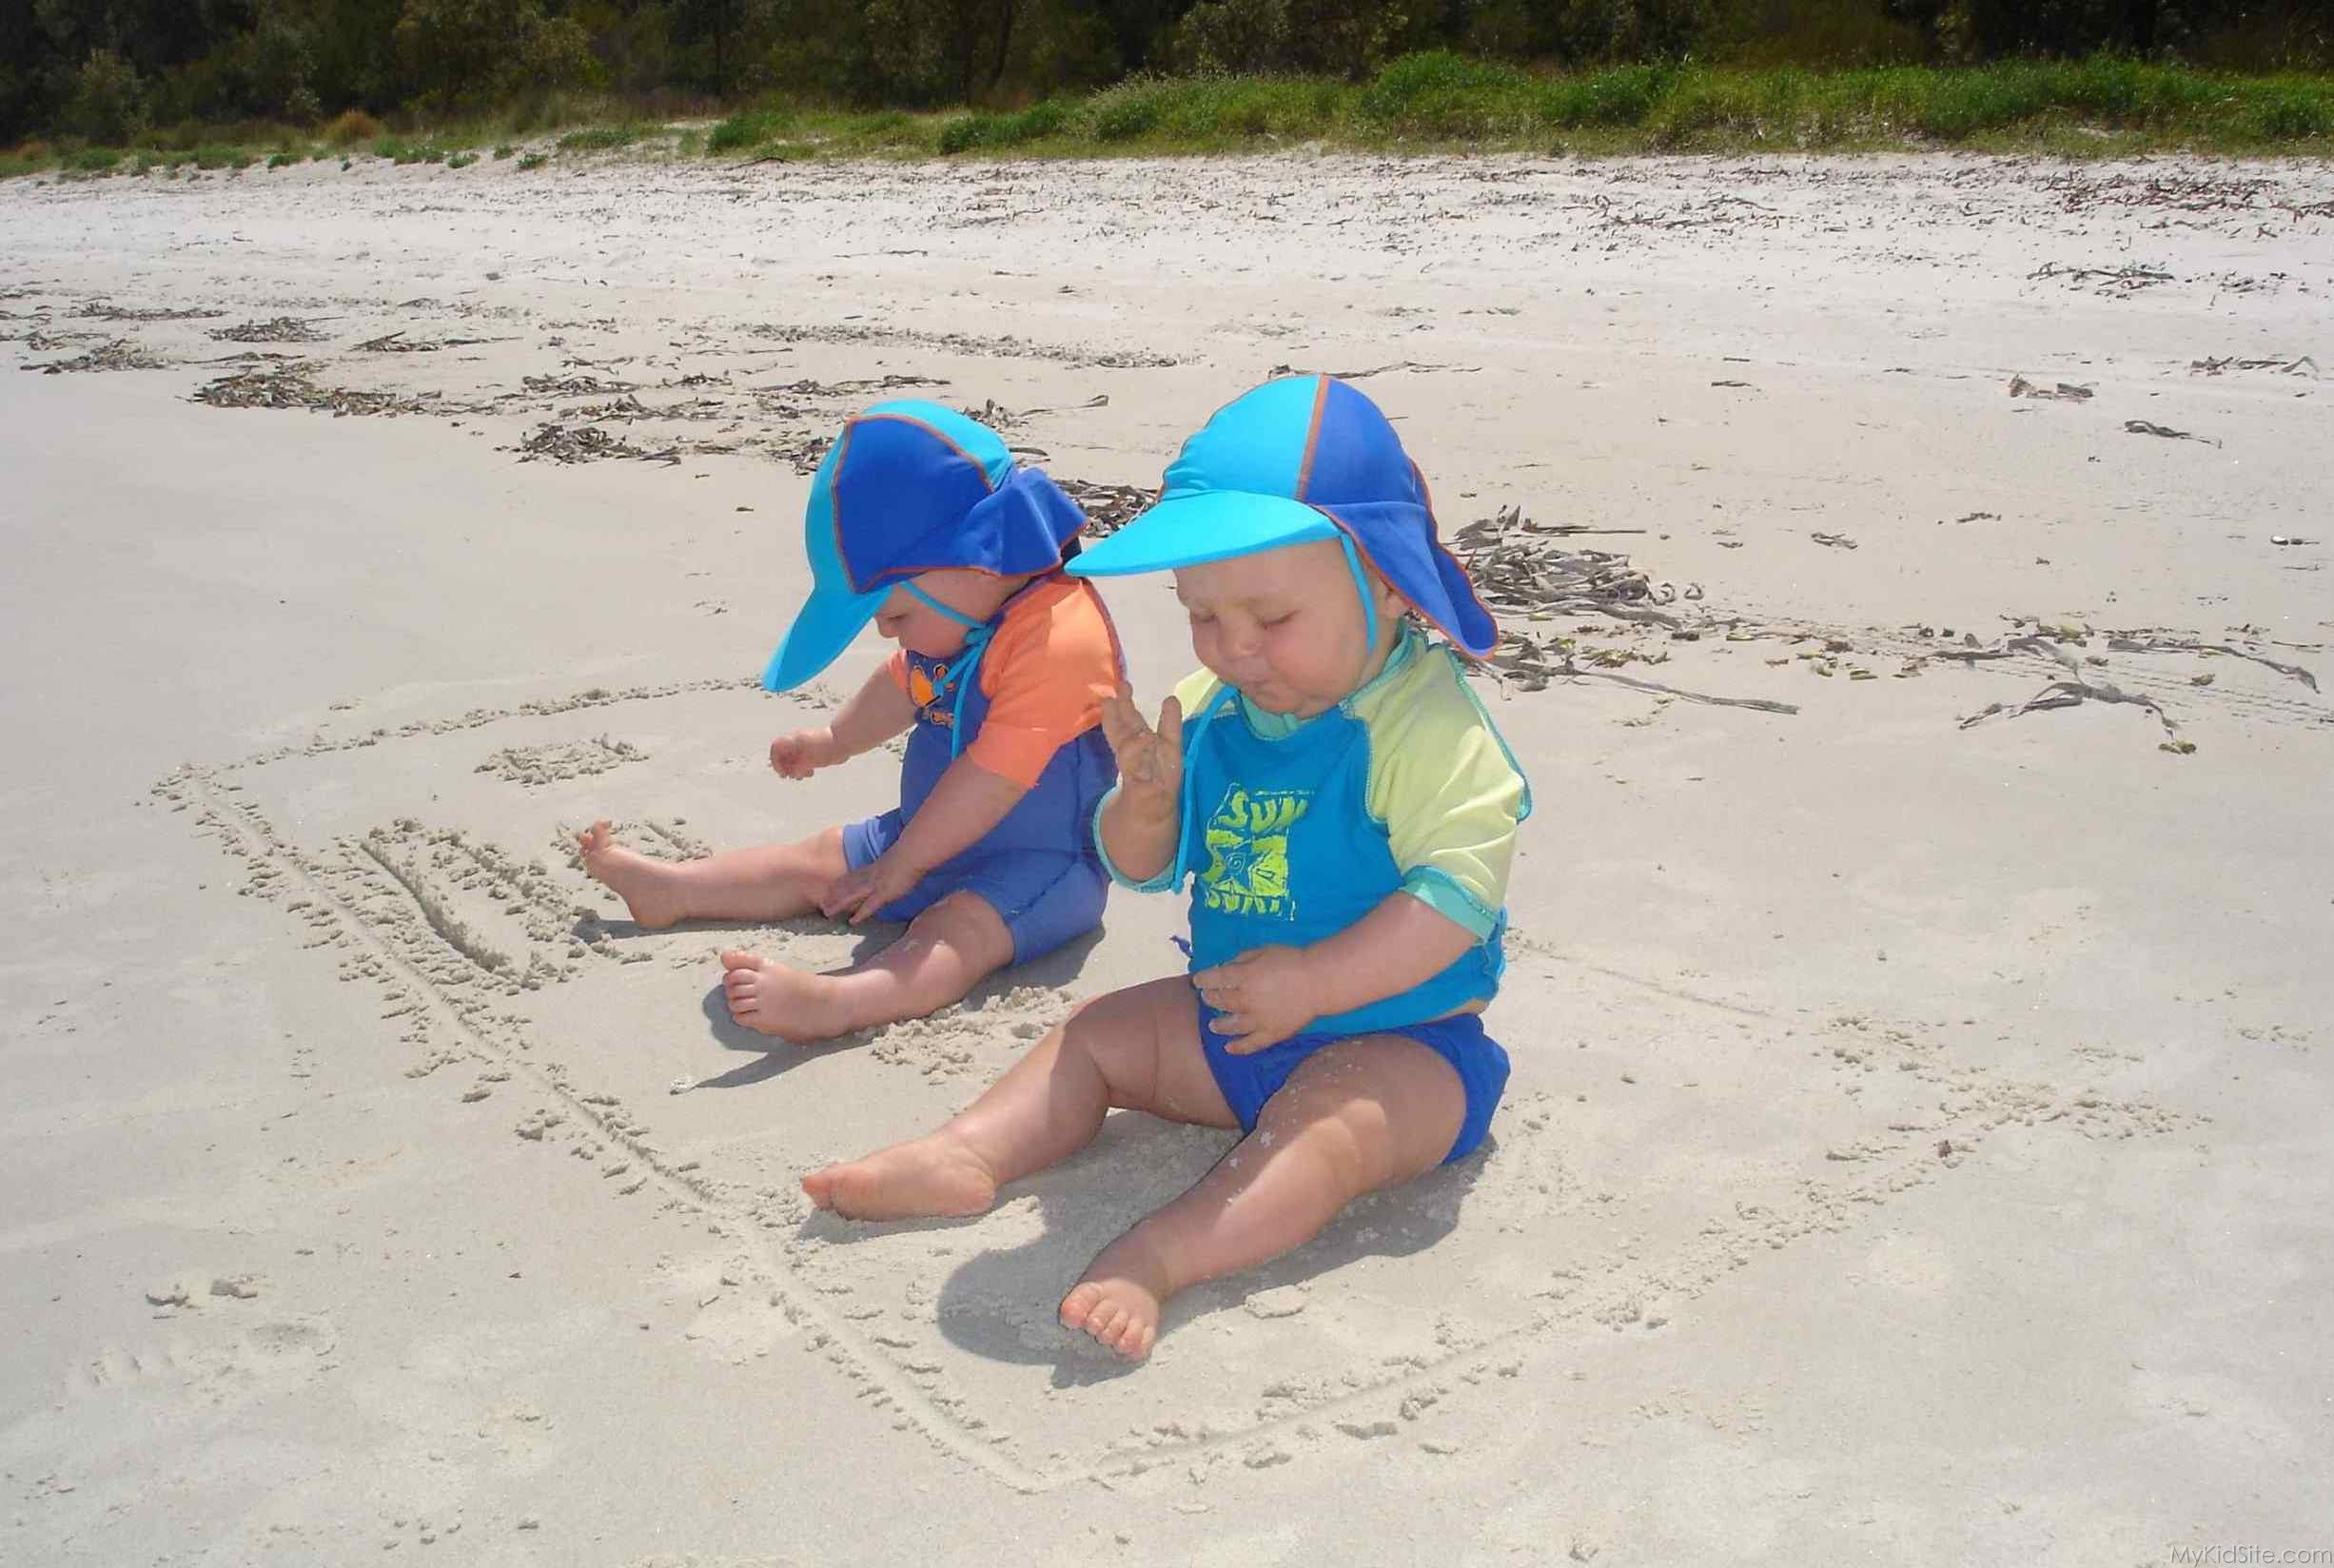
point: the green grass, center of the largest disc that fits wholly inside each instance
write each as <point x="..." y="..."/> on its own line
<point x="609" y="138"/>
<point x="401" y="149"/>
<point x="2103" y="107"/>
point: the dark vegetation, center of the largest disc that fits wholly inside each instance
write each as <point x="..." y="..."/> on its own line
<point x="92" y="84"/>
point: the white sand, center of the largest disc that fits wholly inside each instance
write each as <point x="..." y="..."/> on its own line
<point x="1917" y="1151"/>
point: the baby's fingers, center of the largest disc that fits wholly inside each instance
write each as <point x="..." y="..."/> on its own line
<point x="1122" y="722"/>
<point x="1171" y="736"/>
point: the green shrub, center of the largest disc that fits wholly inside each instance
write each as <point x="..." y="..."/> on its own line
<point x="462" y="160"/>
<point x="504" y="150"/>
<point x="749" y="129"/>
<point x="1624" y="95"/>
<point x="2287" y="112"/>
<point x="1127" y="111"/>
<point x="281" y="159"/>
<point x="214" y="155"/>
<point x="1727" y="107"/>
<point x="1448" y="95"/>
<point x="532" y="160"/>
<point x="94" y="159"/>
<point x="606" y="138"/>
<point x="108" y="100"/>
<point x="1002" y="130"/>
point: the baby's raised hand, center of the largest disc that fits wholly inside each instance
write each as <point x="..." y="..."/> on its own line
<point x="1151" y="763"/>
<point x="803" y="753"/>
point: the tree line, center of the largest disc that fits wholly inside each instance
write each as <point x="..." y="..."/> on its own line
<point x="107" y="70"/>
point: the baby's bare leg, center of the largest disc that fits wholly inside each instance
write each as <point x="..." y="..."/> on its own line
<point x="1137" y="1049"/>
<point x="945" y="952"/>
<point x="769" y="882"/>
<point x="1362" y="1114"/>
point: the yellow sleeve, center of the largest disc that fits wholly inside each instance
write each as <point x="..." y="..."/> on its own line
<point x="1447" y="791"/>
<point x="1192" y="691"/>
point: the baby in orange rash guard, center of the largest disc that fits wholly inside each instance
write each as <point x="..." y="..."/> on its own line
<point x="921" y="522"/>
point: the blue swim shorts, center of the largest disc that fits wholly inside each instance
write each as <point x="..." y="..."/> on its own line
<point x="1045" y="897"/>
<point x="1248" y="1080"/>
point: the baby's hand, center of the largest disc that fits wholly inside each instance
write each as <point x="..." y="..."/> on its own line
<point x="1151" y="763"/>
<point x="856" y="895"/>
<point x="1263" y="996"/>
<point x="803" y="753"/>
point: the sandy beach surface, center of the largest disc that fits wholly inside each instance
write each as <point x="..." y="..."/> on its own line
<point x="1918" y="1147"/>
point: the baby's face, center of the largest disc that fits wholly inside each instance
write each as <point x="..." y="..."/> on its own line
<point x="1285" y="626"/>
<point x="920" y="629"/>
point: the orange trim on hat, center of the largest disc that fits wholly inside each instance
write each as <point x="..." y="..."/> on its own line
<point x="1312" y="435"/>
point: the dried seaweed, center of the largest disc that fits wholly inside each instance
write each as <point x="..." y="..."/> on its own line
<point x="2148" y="427"/>
<point x="1515" y="566"/>
<point x="2127" y="278"/>
<point x="290" y="329"/>
<point x="577" y="387"/>
<point x="2279" y="363"/>
<point x="582" y="443"/>
<point x="397" y="342"/>
<point x="628" y="408"/>
<point x="995" y="415"/>
<point x="2136" y="642"/>
<point x="101" y="311"/>
<point x="805" y="452"/>
<point x="1381" y="370"/>
<point x="119" y="355"/>
<point x="1107" y="507"/>
<point x="293" y="388"/>
<point x="958" y="342"/>
<point x="2078" y="687"/>
<point x="2063" y="392"/>
<point x="850" y="389"/>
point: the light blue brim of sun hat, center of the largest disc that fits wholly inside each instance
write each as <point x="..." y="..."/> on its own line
<point x="829" y="618"/>
<point x="1199" y="527"/>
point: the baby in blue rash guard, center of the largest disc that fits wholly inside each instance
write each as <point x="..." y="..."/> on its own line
<point x="1345" y="812"/>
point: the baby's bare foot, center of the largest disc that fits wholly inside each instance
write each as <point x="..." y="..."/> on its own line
<point x="1119" y="1299"/>
<point x="647" y="887"/>
<point x="923" y="1179"/>
<point x="770" y="998"/>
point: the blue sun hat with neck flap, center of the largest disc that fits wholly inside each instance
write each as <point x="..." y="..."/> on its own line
<point x="908" y="487"/>
<point x="1304" y="457"/>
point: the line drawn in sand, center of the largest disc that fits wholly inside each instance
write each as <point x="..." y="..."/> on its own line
<point x="484" y="958"/>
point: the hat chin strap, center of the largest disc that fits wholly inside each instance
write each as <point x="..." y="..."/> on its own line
<point x="977" y="643"/>
<point x="1361" y="583"/>
<point x="949" y="610"/>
